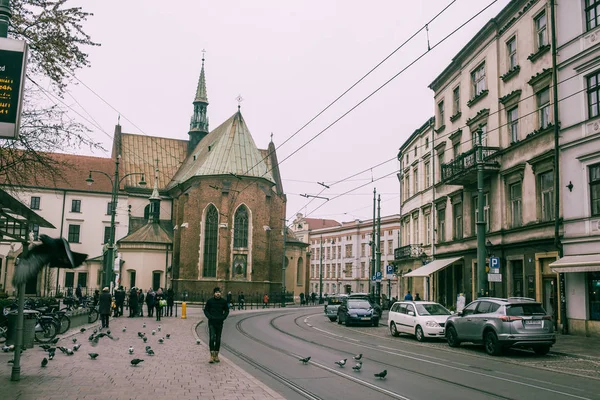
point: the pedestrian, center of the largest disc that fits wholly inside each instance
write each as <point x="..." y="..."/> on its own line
<point x="158" y="303"/>
<point x="417" y="297"/>
<point x="301" y="299"/>
<point x="229" y="299"/>
<point x="170" y="302"/>
<point x="150" y="300"/>
<point x="104" y="303"/>
<point x="79" y="294"/>
<point x="96" y="297"/>
<point x="140" y="303"/>
<point x="133" y="302"/>
<point x="408" y="296"/>
<point x="119" y="300"/>
<point x="216" y="311"/>
<point x="313" y="298"/>
<point x="266" y="301"/>
<point x="241" y="301"/>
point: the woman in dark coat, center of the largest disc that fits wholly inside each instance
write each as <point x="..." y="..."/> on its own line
<point x="133" y="303"/>
<point x="104" y="303"/>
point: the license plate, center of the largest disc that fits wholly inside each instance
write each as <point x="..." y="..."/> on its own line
<point x="365" y="318"/>
<point x="533" y="322"/>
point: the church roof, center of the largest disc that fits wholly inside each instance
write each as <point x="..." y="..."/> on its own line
<point x="228" y="149"/>
<point x="317" y="223"/>
<point x="149" y="233"/>
<point x="140" y="152"/>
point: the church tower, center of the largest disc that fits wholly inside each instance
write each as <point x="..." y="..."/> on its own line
<point x="199" y="120"/>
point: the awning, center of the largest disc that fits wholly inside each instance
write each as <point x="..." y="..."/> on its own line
<point x="432" y="267"/>
<point x="584" y="263"/>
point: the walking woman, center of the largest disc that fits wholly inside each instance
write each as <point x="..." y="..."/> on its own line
<point x="170" y="302"/>
<point x="104" y="303"/>
<point x="158" y="301"/>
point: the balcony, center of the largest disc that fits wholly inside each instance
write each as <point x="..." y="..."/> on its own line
<point x="463" y="170"/>
<point x="407" y="252"/>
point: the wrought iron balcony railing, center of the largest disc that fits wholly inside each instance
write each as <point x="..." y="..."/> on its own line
<point x="467" y="162"/>
<point x="408" y="251"/>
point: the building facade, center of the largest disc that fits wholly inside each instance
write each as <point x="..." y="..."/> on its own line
<point x="578" y="44"/>
<point x="493" y="98"/>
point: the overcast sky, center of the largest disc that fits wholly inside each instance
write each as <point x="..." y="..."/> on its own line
<point x="288" y="60"/>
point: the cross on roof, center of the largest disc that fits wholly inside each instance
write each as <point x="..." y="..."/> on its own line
<point x="239" y="100"/>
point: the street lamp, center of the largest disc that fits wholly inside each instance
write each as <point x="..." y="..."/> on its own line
<point x="116" y="184"/>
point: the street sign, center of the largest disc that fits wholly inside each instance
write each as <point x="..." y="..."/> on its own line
<point x="389" y="271"/>
<point x="378" y="276"/>
<point x="13" y="61"/>
<point x="373" y="278"/>
<point x="494" y="277"/>
<point x="494" y="263"/>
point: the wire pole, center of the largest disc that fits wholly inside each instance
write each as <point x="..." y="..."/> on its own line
<point x="283" y="264"/>
<point x="321" y="272"/>
<point x="378" y="244"/>
<point x="373" y="245"/>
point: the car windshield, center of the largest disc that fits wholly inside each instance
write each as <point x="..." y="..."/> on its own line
<point x="524" y="309"/>
<point x="359" y="304"/>
<point x="432" y="309"/>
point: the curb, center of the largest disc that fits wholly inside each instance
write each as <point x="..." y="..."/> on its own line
<point x="584" y="356"/>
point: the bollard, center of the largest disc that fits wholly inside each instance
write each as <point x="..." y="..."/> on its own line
<point x="183" y="310"/>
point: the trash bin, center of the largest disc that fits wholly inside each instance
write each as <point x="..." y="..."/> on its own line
<point x="29" y="322"/>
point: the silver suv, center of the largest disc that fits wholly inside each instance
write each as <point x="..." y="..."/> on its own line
<point x="502" y="323"/>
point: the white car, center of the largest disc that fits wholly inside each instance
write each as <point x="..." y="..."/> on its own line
<point x="423" y="319"/>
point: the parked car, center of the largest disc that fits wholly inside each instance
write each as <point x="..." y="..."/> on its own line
<point x="332" y="305"/>
<point x="502" y="323"/>
<point x="369" y="298"/>
<point x="357" y="311"/>
<point x="423" y="319"/>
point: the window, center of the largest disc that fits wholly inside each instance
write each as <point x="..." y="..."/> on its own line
<point x="595" y="189"/>
<point x="592" y="13"/>
<point x="457" y="211"/>
<point x="407" y="186"/>
<point x="416" y="181"/>
<point x="390" y="247"/>
<point x="416" y="239"/>
<point x="155" y="280"/>
<point x="348" y="250"/>
<point x="69" y="279"/>
<point x="415" y="151"/>
<point x="406" y="232"/>
<point x="540" y="29"/>
<point x="593" y="279"/>
<point x="439" y="167"/>
<point x="427" y="174"/>
<point x="543" y="103"/>
<point x="339" y="251"/>
<point x="511" y="49"/>
<point x="363" y="270"/>
<point x="82" y="279"/>
<point x="348" y="270"/>
<point x="513" y="124"/>
<point x="74" y="231"/>
<point x="363" y="251"/>
<point x="76" y="206"/>
<point x="441" y="226"/>
<point x="426" y="143"/>
<point x="456" y="100"/>
<point x="456" y="149"/>
<point x="428" y="228"/>
<point x="328" y="257"/>
<point x="547" y="190"/>
<point x="211" y="236"/>
<point x="106" y="234"/>
<point x="109" y="208"/>
<point x="132" y="279"/>
<point x="441" y="113"/>
<point x="240" y="231"/>
<point x="593" y="93"/>
<point x="35" y="203"/>
<point x="478" y="80"/>
<point x="479" y="136"/>
<point x="35" y="230"/>
<point x="516" y="204"/>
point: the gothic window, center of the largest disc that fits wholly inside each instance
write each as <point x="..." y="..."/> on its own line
<point x="300" y="272"/>
<point x="240" y="233"/>
<point x="211" y="232"/>
<point x="147" y="212"/>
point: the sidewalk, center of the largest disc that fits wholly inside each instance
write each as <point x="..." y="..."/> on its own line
<point x="179" y="369"/>
<point x="577" y="346"/>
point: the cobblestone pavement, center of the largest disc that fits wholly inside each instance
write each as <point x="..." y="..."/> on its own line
<point x="179" y="369"/>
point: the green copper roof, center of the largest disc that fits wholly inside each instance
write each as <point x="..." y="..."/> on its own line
<point x="201" y="95"/>
<point x="228" y="149"/>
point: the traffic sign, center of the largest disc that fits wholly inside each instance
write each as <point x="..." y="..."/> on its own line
<point x="373" y="278"/>
<point x="389" y="270"/>
<point x="495" y="262"/>
<point x="378" y="275"/>
<point x="494" y="277"/>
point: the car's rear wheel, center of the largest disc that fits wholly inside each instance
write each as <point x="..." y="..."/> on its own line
<point x="541" y="350"/>
<point x="490" y="342"/>
<point x="332" y="319"/>
<point x="419" y="334"/>
<point x="452" y="337"/>
<point x="394" y="329"/>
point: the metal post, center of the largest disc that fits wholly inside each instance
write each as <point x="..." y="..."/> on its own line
<point x="5" y="15"/>
<point x="110" y="252"/>
<point x="283" y="265"/>
<point x="481" y="274"/>
<point x="16" y="368"/>
<point x="373" y="244"/>
<point x="378" y="244"/>
<point x="321" y="272"/>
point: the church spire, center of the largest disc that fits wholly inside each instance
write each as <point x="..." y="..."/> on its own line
<point x="154" y="216"/>
<point x="199" y="120"/>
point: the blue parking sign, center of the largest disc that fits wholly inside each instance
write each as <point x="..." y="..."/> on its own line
<point x="495" y="262"/>
<point x="378" y="275"/>
<point x="389" y="270"/>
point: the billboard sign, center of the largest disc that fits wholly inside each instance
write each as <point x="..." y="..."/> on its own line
<point x="13" y="61"/>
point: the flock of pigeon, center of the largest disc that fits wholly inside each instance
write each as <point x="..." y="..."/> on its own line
<point x="356" y="368"/>
<point x="93" y="339"/>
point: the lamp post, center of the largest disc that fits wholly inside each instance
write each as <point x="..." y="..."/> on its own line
<point x="116" y="184"/>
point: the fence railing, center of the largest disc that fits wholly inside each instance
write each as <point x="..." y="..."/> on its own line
<point x="251" y="300"/>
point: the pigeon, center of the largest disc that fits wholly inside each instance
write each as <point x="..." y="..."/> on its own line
<point x="45" y="347"/>
<point x="124" y="329"/>
<point x="93" y="355"/>
<point x="161" y="340"/>
<point x="130" y="350"/>
<point x="168" y="336"/>
<point x="341" y="363"/>
<point x="159" y="328"/>
<point x="305" y="360"/>
<point x="153" y="332"/>
<point x="150" y="352"/>
<point x="197" y="341"/>
<point x="51" y="350"/>
<point x="70" y="352"/>
<point x="145" y="339"/>
<point x="358" y="357"/>
<point x="5" y="349"/>
<point x="11" y="361"/>
<point x="91" y="337"/>
<point x="76" y="347"/>
<point x="148" y="348"/>
<point x="74" y="340"/>
<point x="95" y="330"/>
<point x="62" y="349"/>
<point x="382" y="374"/>
<point x="82" y="330"/>
<point x="108" y="332"/>
<point x="55" y="253"/>
<point x="136" y="361"/>
<point x="54" y="341"/>
<point x="144" y="325"/>
<point x="51" y="356"/>
<point x="357" y="367"/>
<point x="44" y="362"/>
<point x="140" y="334"/>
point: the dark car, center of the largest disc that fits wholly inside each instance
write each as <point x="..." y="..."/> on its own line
<point x="357" y="311"/>
<point x="370" y="299"/>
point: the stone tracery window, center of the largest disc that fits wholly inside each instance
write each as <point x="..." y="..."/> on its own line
<point x="240" y="232"/>
<point x="211" y="235"/>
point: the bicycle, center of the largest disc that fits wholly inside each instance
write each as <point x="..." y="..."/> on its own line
<point x="46" y="328"/>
